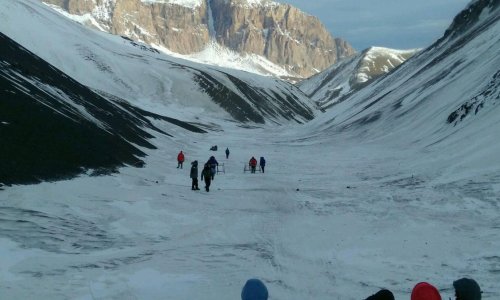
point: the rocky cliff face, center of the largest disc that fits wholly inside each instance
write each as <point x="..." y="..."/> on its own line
<point x="281" y="33"/>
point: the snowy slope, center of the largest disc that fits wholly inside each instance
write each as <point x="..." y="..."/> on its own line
<point x="388" y="189"/>
<point x="444" y="99"/>
<point x="460" y="58"/>
<point x="336" y="83"/>
<point x="147" y="78"/>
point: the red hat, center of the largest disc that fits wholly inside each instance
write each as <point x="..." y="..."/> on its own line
<point x="425" y="291"/>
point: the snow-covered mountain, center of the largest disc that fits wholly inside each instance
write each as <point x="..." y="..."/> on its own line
<point x="212" y="54"/>
<point x="261" y="36"/>
<point x="152" y="80"/>
<point x="121" y="70"/>
<point x="396" y="185"/>
<point x="344" y="78"/>
<point x="443" y="99"/>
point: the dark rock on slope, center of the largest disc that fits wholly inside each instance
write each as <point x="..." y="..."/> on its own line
<point x="52" y="127"/>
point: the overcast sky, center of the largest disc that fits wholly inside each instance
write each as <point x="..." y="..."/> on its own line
<point x="398" y="24"/>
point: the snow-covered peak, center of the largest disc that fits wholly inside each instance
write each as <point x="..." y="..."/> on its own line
<point x="376" y="61"/>
<point x="476" y="12"/>
<point x="186" y="3"/>
<point x="389" y="51"/>
<point x="332" y="85"/>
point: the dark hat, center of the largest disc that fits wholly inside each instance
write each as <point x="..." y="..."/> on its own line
<point x="382" y="295"/>
<point x="467" y="289"/>
<point x="254" y="289"/>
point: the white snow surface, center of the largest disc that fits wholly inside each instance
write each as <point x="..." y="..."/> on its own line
<point x="339" y="213"/>
<point x="186" y="3"/>
<point x="254" y="3"/>
<point x="215" y="54"/>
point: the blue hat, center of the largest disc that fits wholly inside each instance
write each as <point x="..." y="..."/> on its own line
<point x="254" y="289"/>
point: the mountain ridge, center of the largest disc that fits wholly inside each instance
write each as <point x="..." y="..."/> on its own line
<point x="344" y="78"/>
<point x="281" y="33"/>
<point x="154" y="81"/>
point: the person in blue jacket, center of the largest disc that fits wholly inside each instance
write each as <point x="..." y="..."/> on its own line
<point x="212" y="163"/>
<point x="254" y="289"/>
<point x="262" y="163"/>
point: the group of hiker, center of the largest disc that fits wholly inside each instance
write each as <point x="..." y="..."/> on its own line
<point x="465" y="289"/>
<point x="253" y="164"/>
<point x="210" y="168"/>
<point x="207" y="173"/>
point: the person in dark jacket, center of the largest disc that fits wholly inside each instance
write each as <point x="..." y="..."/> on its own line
<point x="212" y="163"/>
<point x="207" y="175"/>
<point x="254" y="289"/>
<point x="227" y="153"/>
<point x="253" y="164"/>
<point x="382" y="295"/>
<point x="467" y="289"/>
<point x="194" y="175"/>
<point x="262" y="163"/>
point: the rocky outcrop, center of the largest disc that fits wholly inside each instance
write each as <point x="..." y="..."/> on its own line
<point x="279" y="32"/>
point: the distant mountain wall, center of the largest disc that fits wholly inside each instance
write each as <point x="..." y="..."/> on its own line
<point x="279" y="32"/>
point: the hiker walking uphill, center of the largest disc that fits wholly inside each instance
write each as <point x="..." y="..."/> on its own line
<point x="180" y="160"/>
<point x="206" y="175"/>
<point x="227" y="153"/>
<point x="212" y="163"/>
<point x="253" y="164"/>
<point x="262" y="163"/>
<point x="194" y="175"/>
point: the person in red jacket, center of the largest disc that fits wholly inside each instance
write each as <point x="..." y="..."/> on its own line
<point x="253" y="164"/>
<point x="180" y="160"/>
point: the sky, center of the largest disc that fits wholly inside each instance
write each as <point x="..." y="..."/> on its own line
<point x="397" y="24"/>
